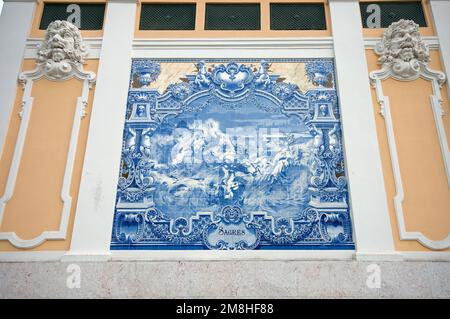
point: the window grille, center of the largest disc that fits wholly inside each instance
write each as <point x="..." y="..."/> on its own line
<point x="232" y="16"/>
<point x="391" y="12"/>
<point x="167" y="16"/>
<point x="89" y="16"/>
<point x="297" y="16"/>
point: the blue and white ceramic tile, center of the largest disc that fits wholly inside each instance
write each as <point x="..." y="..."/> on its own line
<point x="233" y="157"/>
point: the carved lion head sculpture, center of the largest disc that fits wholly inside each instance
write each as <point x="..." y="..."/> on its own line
<point x="62" y="42"/>
<point x="402" y="41"/>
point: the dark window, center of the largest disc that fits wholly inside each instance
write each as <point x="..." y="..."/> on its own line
<point x="165" y="16"/>
<point x="297" y="16"/>
<point x="233" y="16"/>
<point x="391" y="12"/>
<point x="89" y="16"/>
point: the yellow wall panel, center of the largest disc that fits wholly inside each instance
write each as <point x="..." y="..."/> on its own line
<point x="426" y="205"/>
<point x="36" y="202"/>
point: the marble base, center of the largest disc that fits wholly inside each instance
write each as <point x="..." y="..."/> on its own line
<point x="224" y="279"/>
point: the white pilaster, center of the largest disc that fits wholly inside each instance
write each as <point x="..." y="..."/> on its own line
<point x="441" y="16"/>
<point x="95" y="208"/>
<point x="15" y="22"/>
<point x="373" y="232"/>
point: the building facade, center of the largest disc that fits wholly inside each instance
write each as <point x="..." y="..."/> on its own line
<point x="161" y="143"/>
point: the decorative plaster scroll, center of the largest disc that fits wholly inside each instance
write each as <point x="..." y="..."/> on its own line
<point x="404" y="56"/>
<point x="60" y="58"/>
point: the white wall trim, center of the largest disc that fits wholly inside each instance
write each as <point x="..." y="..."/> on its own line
<point x="440" y="11"/>
<point x="15" y="22"/>
<point x="431" y="41"/>
<point x="437" y="79"/>
<point x="95" y="207"/>
<point x="204" y="48"/>
<point x="161" y="256"/>
<point x="28" y="78"/>
<point x="370" y="214"/>
<point x="304" y="47"/>
<point x="288" y="42"/>
<point x="31" y="256"/>
<point x="95" y="211"/>
<point x="93" y="46"/>
<point x="403" y="256"/>
<point x="425" y="256"/>
<point x="234" y="48"/>
<point x="216" y="255"/>
<point x="86" y="256"/>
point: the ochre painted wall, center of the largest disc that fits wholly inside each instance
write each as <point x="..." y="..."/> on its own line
<point x="426" y="205"/>
<point x="36" y="202"/>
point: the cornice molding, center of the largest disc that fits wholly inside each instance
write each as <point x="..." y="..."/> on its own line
<point x="233" y="48"/>
<point x="326" y="42"/>
<point x="93" y="47"/>
<point x="432" y="42"/>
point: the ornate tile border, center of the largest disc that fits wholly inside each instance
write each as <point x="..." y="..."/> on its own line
<point x="190" y="178"/>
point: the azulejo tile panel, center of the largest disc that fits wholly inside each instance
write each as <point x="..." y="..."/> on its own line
<point x="221" y="154"/>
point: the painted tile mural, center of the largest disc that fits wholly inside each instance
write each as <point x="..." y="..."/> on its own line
<point x="243" y="154"/>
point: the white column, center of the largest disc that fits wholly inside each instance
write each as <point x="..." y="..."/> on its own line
<point x="15" y="23"/>
<point x="373" y="232"/>
<point x="96" y="200"/>
<point x="441" y="15"/>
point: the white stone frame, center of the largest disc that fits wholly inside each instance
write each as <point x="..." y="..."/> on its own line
<point x="93" y="47"/>
<point x="93" y="222"/>
<point x="437" y="79"/>
<point x="81" y="247"/>
<point x="92" y="229"/>
<point x="368" y="201"/>
<point x="89" y="246"/>
<point x="27" y="79"/>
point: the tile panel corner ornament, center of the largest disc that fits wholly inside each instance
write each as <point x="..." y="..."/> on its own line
<point x="232" y="158"/>
<point x="404" y="56"/>
<point x="60" y="57"/>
